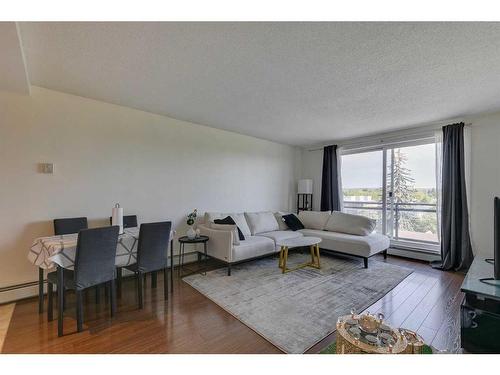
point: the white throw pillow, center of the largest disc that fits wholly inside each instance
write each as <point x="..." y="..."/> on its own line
<point x="314" y="219"/>
<point x="350" y="224"/>
<point x="229" y="228"/>
<point x="239" y="219"/>
<point x="279" y="218"/>
<point x="241" y="222"/>
<point x="261" y="222"/>
<point x="211" y="216"/>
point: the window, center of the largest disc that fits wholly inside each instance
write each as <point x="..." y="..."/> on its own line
<point x="396" y="185"/>
<point x="362" y="185"/>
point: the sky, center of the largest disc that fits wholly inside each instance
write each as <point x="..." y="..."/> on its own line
<point x="365" y="170"/>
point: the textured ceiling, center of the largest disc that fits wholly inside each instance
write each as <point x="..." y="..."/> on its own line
<point x="295" y="83"/>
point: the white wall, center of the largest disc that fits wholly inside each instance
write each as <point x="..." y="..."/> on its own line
<point x="156" y="167"/>
<point x="484" y="177"/>
<point x="312" y="167"/>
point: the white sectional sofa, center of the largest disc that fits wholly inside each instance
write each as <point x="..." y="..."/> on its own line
<point x="343" y="233"/>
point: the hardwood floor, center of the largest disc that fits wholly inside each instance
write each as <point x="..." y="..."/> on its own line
<point x="427" y="301"/>
<point x="5" y="317"/>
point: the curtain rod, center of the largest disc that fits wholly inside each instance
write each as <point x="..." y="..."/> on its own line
<point x="352" y="142"/>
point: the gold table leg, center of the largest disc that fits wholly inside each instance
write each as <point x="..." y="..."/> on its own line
<point x="315" y="257"/>
<point x="283" y="258"/>
<point x="315" y="262"/>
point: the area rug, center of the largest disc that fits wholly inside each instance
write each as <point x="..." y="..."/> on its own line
<point x="296" y="310"/>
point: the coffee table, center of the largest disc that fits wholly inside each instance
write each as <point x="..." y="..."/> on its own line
<point x="312" y="242"/>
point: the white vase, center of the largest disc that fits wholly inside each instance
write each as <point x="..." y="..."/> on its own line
<point x="191" y="233"/>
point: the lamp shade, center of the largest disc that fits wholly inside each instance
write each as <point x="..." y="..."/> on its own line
<point x="305" y="187"/>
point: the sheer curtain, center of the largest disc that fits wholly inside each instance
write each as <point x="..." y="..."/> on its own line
<point x="339" y="178"/>
<point x="439" y="178"/>
<point x="467" y="156"/>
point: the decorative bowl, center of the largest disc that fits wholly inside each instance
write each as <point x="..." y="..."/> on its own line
<point x="352" y="322"/>
<point x="368" y="323"/>
<point x="354" y="331"/>
<point x="371" y="339"/>
<point x="385" y="328"/>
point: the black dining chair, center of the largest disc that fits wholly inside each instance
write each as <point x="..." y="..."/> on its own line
<point x="129" y="221"/>
<point x="69" y="225"/>
<point x="61" y="227"/>
<point x="94" y="265"/>
<point x="152" y="255"/>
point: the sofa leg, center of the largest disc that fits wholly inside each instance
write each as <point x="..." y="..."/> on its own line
<point x="365" y="261"/>
<point x="385" y="254"/>
<point x="229" y="270"/>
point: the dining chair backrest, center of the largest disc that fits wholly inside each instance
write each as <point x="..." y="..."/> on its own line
<point x="95" y="256"/>
<point x="69" y="225"/>
<point x="153" y="246"/>
<point x="129" y="221"/>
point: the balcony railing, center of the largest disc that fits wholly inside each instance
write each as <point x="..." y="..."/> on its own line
<point x="406" y="221"/>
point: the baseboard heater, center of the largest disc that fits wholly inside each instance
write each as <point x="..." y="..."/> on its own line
<point x="413" y="253"/>
<point x="34" y="284"/>
<point x="18" y="286"/>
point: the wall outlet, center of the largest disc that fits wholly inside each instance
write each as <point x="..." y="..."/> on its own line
<point x="47" y="168"/>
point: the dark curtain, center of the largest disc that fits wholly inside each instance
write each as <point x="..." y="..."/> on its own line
<point x="456" y="249"/>
<point x="330" y="197"/>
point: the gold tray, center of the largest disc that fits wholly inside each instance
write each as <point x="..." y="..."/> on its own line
<point x="346" y="344"/>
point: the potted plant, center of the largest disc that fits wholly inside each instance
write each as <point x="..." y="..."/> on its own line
<point x="191" y="233"/>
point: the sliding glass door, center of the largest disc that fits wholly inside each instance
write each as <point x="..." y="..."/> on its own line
<point x="396" y="186"/>
<point x="363" y="185"/>
<point x="412" y="194"/>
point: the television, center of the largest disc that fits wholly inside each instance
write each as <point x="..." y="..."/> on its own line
<point x="496" y="241"/>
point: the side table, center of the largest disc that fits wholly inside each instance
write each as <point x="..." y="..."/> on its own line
<point x="185" y="240"/>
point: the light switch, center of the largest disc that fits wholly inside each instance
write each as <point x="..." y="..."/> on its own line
<point x="47" y="168"/>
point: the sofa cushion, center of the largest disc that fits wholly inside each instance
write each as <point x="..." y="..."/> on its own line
<point x="239" y="219"/>
<point x="228" y="220"/>
<point x="351" y="224"/>
<point x="280" y="235"/>
<point x="293" y="222"/>
<point x="260" y="222"/>
<point x="364" y="246"/>
<point x="314" y="219"/>
<point x="230" y="228"/>
<point x="252" y="247"/>
<point x="279" y="218"/>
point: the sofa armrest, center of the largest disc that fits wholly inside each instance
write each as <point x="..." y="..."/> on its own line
<point x="220" y="243"/>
